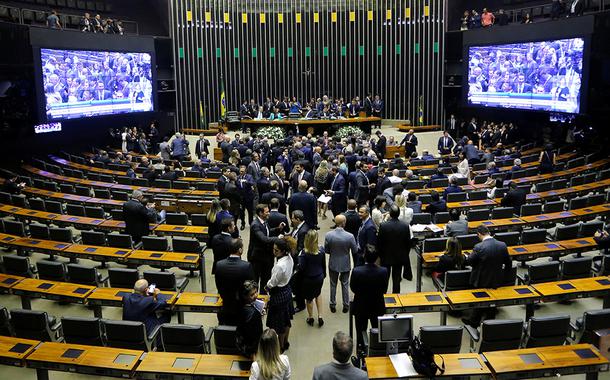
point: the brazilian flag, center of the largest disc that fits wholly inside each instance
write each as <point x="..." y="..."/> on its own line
<point x="420" y="119"/>
<point x="202" y="116"/>
<point x="223" y="100"/>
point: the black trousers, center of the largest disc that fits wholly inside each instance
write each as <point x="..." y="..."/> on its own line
<point x="248" y="204"/>
<point x="395" y="271"/>
<point x="262" y="273"/>
<point x="362" y="322"/>
<point x="296" y="283"/>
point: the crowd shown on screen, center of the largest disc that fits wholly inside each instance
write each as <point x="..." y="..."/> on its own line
<point x="485" y="19"/>
<point x="89" y="24"/>
<point x="316" y="108"/>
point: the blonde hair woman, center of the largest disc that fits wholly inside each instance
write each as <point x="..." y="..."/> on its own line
<point x="312" y="267"/>
<point x="321" y="182"/>
<point x="269" y="364"/>
<point x="406" y="213"/>
<point x="234" y="159"/>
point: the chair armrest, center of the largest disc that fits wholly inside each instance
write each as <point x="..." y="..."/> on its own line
<point x="438" y="284"/>
<point x="522" y="279"/>
<point x="137" y="245"/>
<point x="474" y="333"/>
<point x="152" y="337"/>
<point x="33" y="269"/>
<point x="207" y="338"/>
<point x="103" y="280"/>
<point x="365" y="343"/>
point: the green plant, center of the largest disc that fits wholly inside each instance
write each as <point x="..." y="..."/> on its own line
<point x="348" y="131"/>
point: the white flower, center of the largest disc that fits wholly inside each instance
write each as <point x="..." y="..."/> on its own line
<point x="275" y="133"/>
<point x="349" y="131"/>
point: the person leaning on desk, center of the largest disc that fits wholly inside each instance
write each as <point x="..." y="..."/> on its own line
<point x="143" y="306"/>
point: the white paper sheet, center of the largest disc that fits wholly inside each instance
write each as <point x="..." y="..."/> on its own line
<point x="324" y="198"/>
<point x="403" y="365"/>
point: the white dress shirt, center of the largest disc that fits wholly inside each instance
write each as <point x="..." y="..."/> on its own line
<point x="281" y="272"/>
<point x="463" y="169"/>
<point x="285" y="375"/>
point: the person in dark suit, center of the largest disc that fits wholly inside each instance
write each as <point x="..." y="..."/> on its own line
<point x="491" y="264"/>
<point x="260" y="252"/>
<point x="101" y="93"/>
<point x="275" y="218"/>
<point x="246" y="188"/>
<point x="263" y="185"/>
<point x="452" y="188"/>
<point x="380" y="147"/>
<point x="250" y="322"/>
<point x="306" y="202"/>
<point x="362" y="185"/>
<point x="445" y="144"/>
<point x="202" y="146"/>
<point x="394" y="246"/>
<point x="369" y="282"/>
<point x="410" y="141"/>
<point x="221" y="243"/>
<point x="274" y="194"/>
<point x="300" y="174"/>
<point x="515" y="198"/>
<point x="452" y="125"/>
<point x="337" y="192"/>
<point x="254" y="168"/>
<point x="521" y="86"/>
<point x="231" y="273"/>
<point x="299" y="228"/>
<point x="138" y="215"/>
<point x="367" y="234"/>
<point x="352" y="219"/>
<point x="436" y="204"/>
<point x="12" y="185"/>
<point x="142" y="306"/>
<point x="169" y="174"/>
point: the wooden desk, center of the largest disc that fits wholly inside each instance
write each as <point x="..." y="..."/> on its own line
<point x="7" y="281"/>
<point x="510" y="364"/>
<point x="311" y="124"/>
<point x="201" y="303"/>
<point x="455" y="365"/>
<point x="165" y="259"/>
<point x="114" y="297"/>
<point x="497" y="224"/>
<point x="563" y="173"/>
<point x="167" y="365"/>
<point x="14" y="350"/>
<point x="29" y="288"/>
<point x="472" y="204"/>
<point x="92" y="360"/>
<point x="221" y="366"/>
<point x="191" y="231"/>
<point x="503" y="296"/>
<point x="97" y="253"/>
<point x="528" y="252"/>
<point x="577" y="288"/>
<point x="119" y="225"/>
<point x="579" y="245"/>
<point x="424" y="302"/>
<point x="555" y="217"/>
<point x="44" y="246"/>
<point x="391" y="149"/>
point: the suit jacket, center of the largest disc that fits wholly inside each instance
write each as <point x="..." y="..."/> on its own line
<point x="456" y="228"/>
<point x="515" y="199"/>
<point x="231" y="272"/>
<point x="338" y="371"/>
<point x="487" y="261"/>
<point x="267" y="197"/>
<point x="221" y="248"/>
<point x="137" y="218"/>
<point x="299" y="235"/>
<point x="305" y="202"/>
<point x="201" y="146"/>
<point x="451" y="190"/>
<point x="394" y="243"/>
<point x="339" y="244"/>
<point x="380" y="147"/>
<point x="139" y="308"/>
<point x="412" y="146"/>
<point x="369" y="282"/>
<point x="367" y="235"/>
<point x="339" y="197"/>
<point x="274" y="220"/>
<point x="352" y="222"/>
<point x="361" y="193"/>
<point x="253" y="171"/>
<point x="260" y="247"/>
<point x="441" y="145"/>
<point x="262" y="185"/>
<point x="434" y="207"/>
<point x="294" y="180"/>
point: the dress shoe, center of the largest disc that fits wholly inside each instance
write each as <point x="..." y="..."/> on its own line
<point x="320" y="322"/>
<point x="345" y="309"/>
<point x="309" y="321"/>
<point x="333" y="309"/>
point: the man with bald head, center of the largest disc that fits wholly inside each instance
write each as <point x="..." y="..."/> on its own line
<point x="340" y="244"/>
<point x="144" y="306"/>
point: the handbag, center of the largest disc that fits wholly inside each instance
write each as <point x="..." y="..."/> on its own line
<point x="423" y="359"/>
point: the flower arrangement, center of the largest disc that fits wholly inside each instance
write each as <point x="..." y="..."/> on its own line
<point x="348" y="131"/>
<point x="275" y="133"/>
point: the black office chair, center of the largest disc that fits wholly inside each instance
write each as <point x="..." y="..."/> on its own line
<point x="372" y="346"/>
<point x="502" y="213"/>
<point x="180" y="185"/>
<point x="180" y="219"/>
<point x="468" y="241"/>
<point x="478" y="195"/>
<point x="18" y="266"/>
<point x="81" y="274"/>
<point x="129" y="334"/>
<point x="576" y="267"/>
<point x="544" y="186"/>
<point x="5" y="198"/>
<point x="583" y="329"/>
<point x="576" y="203"/>
<point x="550" y="330"/>
<point x="601" y="265"/>
<point x="186" y="338"/>
<point x="421" y="218"/>
<point x="39" y="231"/>
<point x="19" y="200"/>
<point x="14" y="228"/>
<point x="441" y="182"/>
<point x="155" y="243"/>
<point x="435" y="245"/>
<point x="93" y="238"/>
<point x="34" y="324"/>
<point x="166" y="280"/>
<point x="540" y="272"/>
<point x="496" y="335"/>
<point x="185" y="244"/>
<point x="54" y="207"/>
<point x="560" y="184"/>
<point x="556" y="206"/>
<point x="119" y="195"/>
<point x="510" y="277"/>
<point x="120" y="241"/>
<point x="411" y="185"/>
<point x="567" y="232"/>
<point x="588" y="229"/>
<point x="77" y="330"/>
<point x="163" y="183"/>
<point x="61" y="234"/>
<point x="442" y="339"/>
<point x="75" y="210"/>
<point x="596" y="199"/>
<point x="453" y="280"/>
<point x="36" y="204"/>
<point x="5" y="323"/>
<point x="577" y="181"/>
<point x="509" y="238"/>
<point x="82" y="190"/>
<point x="224" y="340"/>
<point x="531" y="209"/>
<point x="476" y="215"/>
<point x="441" y="217"/>
<point x="95" y="212"/>
<point x="533" y="236"/>
<point x="51" y="270"/>
<point x="102" y="193"/>
<point x="116" y="214"/>
<point x="456" y="197"/>
<point x="123" y="180"/>
<point x="122" y="277"/>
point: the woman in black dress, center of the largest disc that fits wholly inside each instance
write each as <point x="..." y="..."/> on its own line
<point x="250" y="325"/>
<point x="452" y="259"/>
<point x="547" y="160"/>
<point x="312" y="266"/>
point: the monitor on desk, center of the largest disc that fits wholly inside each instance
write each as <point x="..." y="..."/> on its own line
<point x="395" y="328"/>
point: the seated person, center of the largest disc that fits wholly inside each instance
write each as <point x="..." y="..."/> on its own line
<point x="516" y="165"/>
<point x="436" y="204"/>
<point x="452" y="259"/>
<point x="602" y="238"/>
<point x="250" y="323"/>
<point x="145" y="306"/>
<point x="12" y="185"/>
<point x="452" y="188"/>
<point x="169" y="174"/>
<point x="515" y="198"/>
<point x="491" y="168"/>
<point x="340" y="367"/>
<point x="438" y="175"/>
<point x="456" y="226"/>
<point x="426" y="155"/>
<point x="494" y="185"/>
<point x="276" y="114"/>
<point x="413" y="203"/>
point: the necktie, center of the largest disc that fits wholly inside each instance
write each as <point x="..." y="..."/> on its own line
<point x="295" y="232"/>
<point x="266" y="228"/>
<point x="445" y="143"/>
<point x="300" y="176"/>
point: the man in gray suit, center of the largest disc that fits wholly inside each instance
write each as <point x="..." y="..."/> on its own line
<point x="340" y="367"/>
<point x="339" y="244"/>
<point x="491" y="266"/>
<point x="457" y="226"/>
